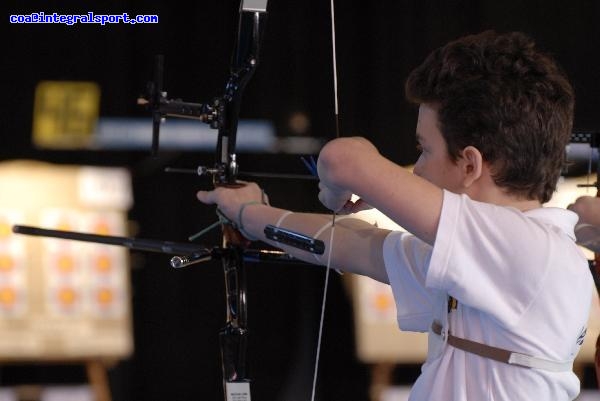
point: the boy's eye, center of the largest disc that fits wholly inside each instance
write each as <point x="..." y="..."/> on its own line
<point x="419" y="147"/>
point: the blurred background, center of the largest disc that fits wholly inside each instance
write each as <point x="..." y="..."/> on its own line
<point x="173" y="317"/>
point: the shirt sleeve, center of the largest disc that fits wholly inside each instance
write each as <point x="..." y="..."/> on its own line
<point x="489" y="257"/>
<point x="405" y="258"/>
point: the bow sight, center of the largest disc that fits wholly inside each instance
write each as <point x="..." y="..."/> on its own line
<point x="222" y="113"/>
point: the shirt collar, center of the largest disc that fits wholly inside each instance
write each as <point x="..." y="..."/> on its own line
<point x="564" y="219"/>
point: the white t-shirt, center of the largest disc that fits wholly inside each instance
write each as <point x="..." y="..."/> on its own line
<point x="521" y="283"/>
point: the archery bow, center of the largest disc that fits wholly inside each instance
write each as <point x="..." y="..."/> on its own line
<point x="223" y="114"/>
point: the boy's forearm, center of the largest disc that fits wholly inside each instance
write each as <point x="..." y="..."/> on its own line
<point x="357" y="245"/>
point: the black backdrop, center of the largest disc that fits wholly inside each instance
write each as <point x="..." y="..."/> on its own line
<point x="177" y="314"/>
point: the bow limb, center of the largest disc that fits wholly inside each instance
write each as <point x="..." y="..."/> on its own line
<point x="244" y="63"/>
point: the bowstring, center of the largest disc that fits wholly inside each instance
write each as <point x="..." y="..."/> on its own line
<point x="328" y="267"/>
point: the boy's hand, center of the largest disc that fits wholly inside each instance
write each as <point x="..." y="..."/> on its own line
<point x="334" y="199"/>
<point x="230" y="200"/>
<point x="340" y="201"/>
<point x="588" y="209"/>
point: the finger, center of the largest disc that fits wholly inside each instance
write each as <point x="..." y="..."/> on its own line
<point x="205" y="197"/>
<point x="329" y="202"/>
<point x="361" y="205"/>
<point x="346" y="209"/>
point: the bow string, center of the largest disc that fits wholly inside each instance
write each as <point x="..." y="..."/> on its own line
<point x="333" y="214"/>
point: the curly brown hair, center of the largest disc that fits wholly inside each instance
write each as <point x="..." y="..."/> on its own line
<point x="498" y="93"/>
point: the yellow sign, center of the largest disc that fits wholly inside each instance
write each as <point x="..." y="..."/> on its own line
<point x="65" y="113"/>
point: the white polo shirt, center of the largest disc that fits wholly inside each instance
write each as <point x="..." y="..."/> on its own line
<point x="521" y="283"/>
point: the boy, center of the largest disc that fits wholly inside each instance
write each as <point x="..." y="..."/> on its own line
<point x="495" y="279"/>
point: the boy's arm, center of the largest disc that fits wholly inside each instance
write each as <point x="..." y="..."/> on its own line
<point x="357" y="245"/>
<point x="354" y="166"/>
<point x="346" y="166"/>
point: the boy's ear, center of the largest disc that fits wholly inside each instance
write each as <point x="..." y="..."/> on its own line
<point x="471" y="165"/>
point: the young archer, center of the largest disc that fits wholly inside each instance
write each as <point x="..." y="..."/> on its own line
<point x="495" y="115"/>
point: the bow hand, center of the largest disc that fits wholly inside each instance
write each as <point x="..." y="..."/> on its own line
<point x="230" y="200"/>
